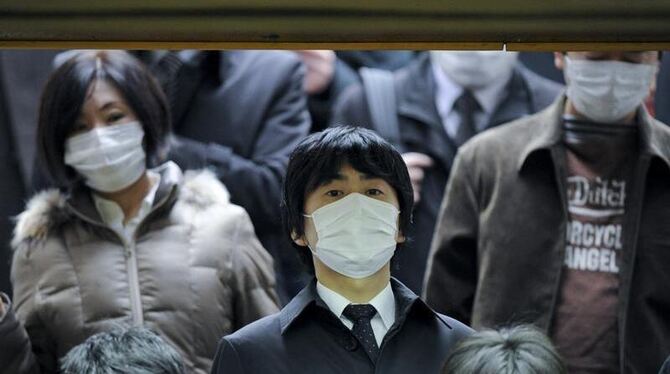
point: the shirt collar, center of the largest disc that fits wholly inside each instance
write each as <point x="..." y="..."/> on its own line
<point x="112" y="214"/>
<point x="308" y="298"/>
<point x="447" y="92"/>
<point x="384" y="302"/>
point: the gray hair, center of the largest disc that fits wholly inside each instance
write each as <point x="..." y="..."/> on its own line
<point x="515" y="350"/>
<point x="131" y="350"/>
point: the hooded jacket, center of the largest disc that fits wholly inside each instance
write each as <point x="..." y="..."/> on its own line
<point x="194" y="272"/>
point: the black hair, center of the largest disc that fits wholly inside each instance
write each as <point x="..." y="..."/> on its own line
<point x="516" y="350"/>
<point x="123" y="350"/>
<point x="321" y="155"/>
<point x="66" y="91"/>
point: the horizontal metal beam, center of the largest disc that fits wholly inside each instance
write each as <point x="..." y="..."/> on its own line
<point x="342" y="24"/>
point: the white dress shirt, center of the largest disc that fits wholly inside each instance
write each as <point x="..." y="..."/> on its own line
<point x="447" y="92"/>
<point x="112" y="214"/>
<point x="384" y="303"/>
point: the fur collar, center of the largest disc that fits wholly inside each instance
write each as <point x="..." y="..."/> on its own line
<point x="48" y="210"/>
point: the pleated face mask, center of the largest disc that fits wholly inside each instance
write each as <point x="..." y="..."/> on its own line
<point x="356" y="235"/>
<point x="109" y="158"/>
<point x="606" y="91"/>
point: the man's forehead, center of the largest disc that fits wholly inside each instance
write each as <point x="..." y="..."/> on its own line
<point x="352" y="175"/>
<point x="631" y="55"/>
<point x="346" y="174"/>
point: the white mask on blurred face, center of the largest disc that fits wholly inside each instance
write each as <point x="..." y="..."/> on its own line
<point x="109" y="158"/>
<point x="607" y="91"/>
<point x="475" y="69"/>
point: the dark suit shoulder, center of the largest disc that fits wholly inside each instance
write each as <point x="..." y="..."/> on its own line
<point x="351" y="108"/>
<point x="239" y="351"/>
<point x="543" y="90"/>
<point x="457" y="328"/>
<point x="273" y="68"/>
<point x="258" y="331"/>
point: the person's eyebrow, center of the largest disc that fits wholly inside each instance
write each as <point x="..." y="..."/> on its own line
<point x="110" y="104"/>
<point x="331" y="177"/>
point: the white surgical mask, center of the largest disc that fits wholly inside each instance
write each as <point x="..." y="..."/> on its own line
<point x="356" y="235"/>
<point x="109" y="158"/>
<point x="475" y="69"/>
<point x="607" y="91"/>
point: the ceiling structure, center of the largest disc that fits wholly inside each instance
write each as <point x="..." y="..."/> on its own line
<point x="340" y="24"/>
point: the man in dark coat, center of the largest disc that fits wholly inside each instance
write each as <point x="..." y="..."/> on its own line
<point x="347" y="203"/>
<point x="431" y="126"/>
<point x="240" y="113"/>
<point x="561" y="220"/>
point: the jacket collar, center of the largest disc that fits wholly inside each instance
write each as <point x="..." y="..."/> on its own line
<point x="308" y="298"/>
<point x="654" y="136"/>
<point x="546" y="135"/>
<point x="81" y="204"/>
<point x="517" y="100"/>
<point x="418" y="90"/>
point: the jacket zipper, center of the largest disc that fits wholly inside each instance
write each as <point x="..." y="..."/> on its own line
<point x="130" y="253"/>
<point x="134" y="284"/>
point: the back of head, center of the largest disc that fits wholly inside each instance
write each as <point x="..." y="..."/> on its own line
<point x="134" y="350"/>
<point x="516" y="350"/>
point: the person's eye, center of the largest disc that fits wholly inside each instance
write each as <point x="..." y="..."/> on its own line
<point x="375" y="192"/>
<point x="334" y="193"/>
<point x="115" y="117"/>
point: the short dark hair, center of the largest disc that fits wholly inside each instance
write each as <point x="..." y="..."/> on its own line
<point x="516" y="350"/>
<point x="321" y="155"/>
<point x="66" y="91"/>
<point x="123" y="350"/>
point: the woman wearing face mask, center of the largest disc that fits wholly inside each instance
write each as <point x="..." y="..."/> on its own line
<point x="121" y="242"/>
<point x="347" y="202"/>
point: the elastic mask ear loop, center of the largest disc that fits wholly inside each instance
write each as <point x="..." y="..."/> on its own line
<point x="309" y="246"/>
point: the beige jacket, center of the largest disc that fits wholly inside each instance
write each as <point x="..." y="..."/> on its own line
<point x="194" y="273"/>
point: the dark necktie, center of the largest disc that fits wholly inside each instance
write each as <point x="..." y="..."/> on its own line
<point x="466" y="105"/>
<point x="360" y="315"/>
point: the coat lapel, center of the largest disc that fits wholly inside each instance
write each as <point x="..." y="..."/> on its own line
<point x="517" y="102"/>
<point x="420" y="124"/>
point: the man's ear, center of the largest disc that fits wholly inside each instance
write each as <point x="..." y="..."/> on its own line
<point x="559" y="60"/>
<point x="299" y="240"/>
<point x="399" y="237"/>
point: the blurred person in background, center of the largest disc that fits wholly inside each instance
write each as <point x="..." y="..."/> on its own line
<point x="22" y="77"/>
<point x="329" y="73"/>
<point x="430" y="108"/>
<point x="126" y="238"/>
<point x="513" y="350"/>
<point x="123" y="350"/>
<point x="560" y="220"/>
<point x="240" y="114"/>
